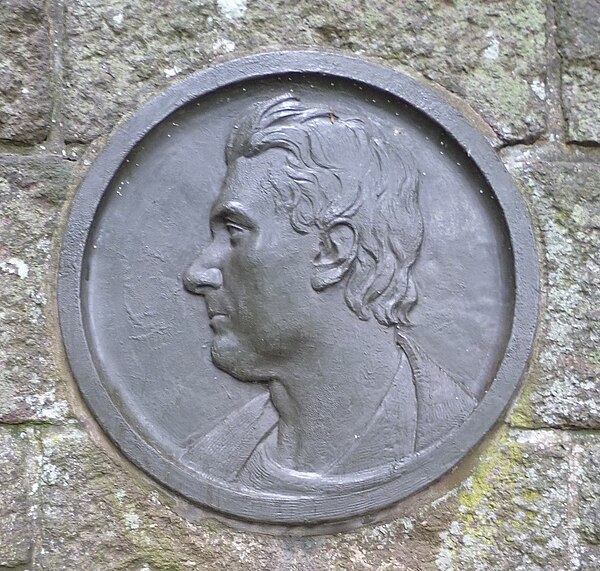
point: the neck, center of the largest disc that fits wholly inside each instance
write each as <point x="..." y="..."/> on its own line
<point x="328" y="398"/>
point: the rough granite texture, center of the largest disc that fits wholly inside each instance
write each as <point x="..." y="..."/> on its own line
<point x="563" y="190"/>
<point x="578" y="24"/>
<point x="32" y="189"/>
<point x="25" y="71"/>
<point x="526" y="500"/>
<point x="17" y="507"/>
<point x="490" y="53"/>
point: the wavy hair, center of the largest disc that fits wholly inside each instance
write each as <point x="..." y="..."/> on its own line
<point x="342" y="170"/>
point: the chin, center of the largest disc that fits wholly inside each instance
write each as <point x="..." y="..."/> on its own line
<point x="230" y="357"/>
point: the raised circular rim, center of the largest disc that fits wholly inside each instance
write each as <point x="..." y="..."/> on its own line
<point x="426" y="468"/>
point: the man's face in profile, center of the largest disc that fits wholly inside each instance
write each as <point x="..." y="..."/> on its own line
<point x="255" y="275"/>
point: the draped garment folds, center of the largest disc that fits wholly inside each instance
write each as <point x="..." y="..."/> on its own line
<point x="422" y="404"/>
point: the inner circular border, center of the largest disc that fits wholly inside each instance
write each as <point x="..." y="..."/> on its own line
<point x="425" y="468"/>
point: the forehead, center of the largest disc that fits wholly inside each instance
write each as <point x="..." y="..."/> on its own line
<point x="247" y="181"/>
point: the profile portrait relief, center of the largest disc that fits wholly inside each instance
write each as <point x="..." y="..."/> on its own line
<point x="296" y="288"/>
<point x="308" y="285"/>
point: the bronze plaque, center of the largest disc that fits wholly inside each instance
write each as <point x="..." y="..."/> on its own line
<point x="297" y="287"/>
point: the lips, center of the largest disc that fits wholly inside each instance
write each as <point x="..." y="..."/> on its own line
<point x="218" y="323"/>
<point x="215" y="313"/>
<point x="216" y="316"/>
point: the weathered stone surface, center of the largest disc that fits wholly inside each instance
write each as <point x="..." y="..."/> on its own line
<point x="118" y="53"/>
<point x="588" y="460"/>
<point x="578" y="39"/>
<point x="563" y="189"/>
<point x="578" y="28"/>
<point x="528" y="498"/>
<point x="99" y="516"/>
<point x="590" y="560"/>
<point x="492" y="53"/>
<point x="25" y="71"/>
<point x="581" y="85"/>
<point x="586" y="467"/>
<point x="16" y="506"/>
<point x="31" y="192"/>
<point x="516" y="510"/>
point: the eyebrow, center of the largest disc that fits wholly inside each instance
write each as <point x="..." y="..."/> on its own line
<point x="230" y="210"/>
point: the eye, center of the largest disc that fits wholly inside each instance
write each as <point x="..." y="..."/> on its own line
<point x="234" y="230"/>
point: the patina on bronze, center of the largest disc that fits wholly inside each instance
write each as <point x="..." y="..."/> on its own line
<point x="297" y="288"/>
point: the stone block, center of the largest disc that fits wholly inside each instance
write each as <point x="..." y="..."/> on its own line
<point x="588" y="464"/>
<point x="515" y="511"/>
<point x="17" y="506"/>
<point x="99" y="515"/>
<point x="578" y="28"/>
<point x="590" y="559"/>
<point x="581" y="86"/>
<point x="578" y="40"/>
<point x="492" y="54"/>
<point x="563" y="191"/>
<point x="25" y="71"/>
<point x="117" y="53"/>
<point x="31" y="192"/>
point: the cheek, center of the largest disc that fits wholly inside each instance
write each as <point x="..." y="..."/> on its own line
<point x="272" y="291"/>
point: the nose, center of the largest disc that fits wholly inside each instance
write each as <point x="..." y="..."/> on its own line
<point x="198" y="277"/>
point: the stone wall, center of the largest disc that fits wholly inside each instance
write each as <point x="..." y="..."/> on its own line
<point x="528" y="499"/>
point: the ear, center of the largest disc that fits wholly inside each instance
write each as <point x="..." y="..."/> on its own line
<point x="337" y="252"/>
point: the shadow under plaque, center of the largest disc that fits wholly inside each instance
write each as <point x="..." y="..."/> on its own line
<point x="295" y="295"/>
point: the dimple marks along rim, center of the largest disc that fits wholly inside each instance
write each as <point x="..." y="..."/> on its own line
<point x="279" y="509"/>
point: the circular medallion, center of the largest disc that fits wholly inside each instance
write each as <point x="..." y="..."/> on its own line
<point x="297" y="287"/>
